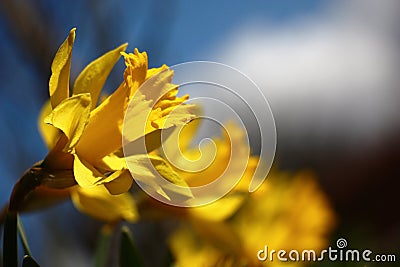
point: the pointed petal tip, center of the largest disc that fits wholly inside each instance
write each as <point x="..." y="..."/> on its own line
<point x="124" y="46"/>
<point x="72" y="34"/>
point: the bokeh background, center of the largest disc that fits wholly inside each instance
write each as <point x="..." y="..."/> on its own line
<point x="330" y="70"/>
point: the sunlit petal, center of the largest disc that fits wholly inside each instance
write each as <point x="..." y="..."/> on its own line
<point x="92" y="78"/>
<point x="60" y="69"/>
<point x="119" y="182"/>
<point x="86" y="175"/>
<point x="147" y="168"/>
<point x="100" y="204"/>
<point x="49" y="133"/>
<point x="71" y="117"/>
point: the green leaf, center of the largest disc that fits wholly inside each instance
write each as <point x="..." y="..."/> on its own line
<point x="29" y="262"/>
<point x="103" y="246"/>
<point x="23" y="238"/>
<point x="10" y="248"/>
<point x="129" y="255"/>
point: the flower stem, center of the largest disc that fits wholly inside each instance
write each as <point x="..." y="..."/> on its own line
<point x="36" y="176"/>
<point x="103" y="245"/>
<point x="23" y="238"/>
<point x="10" y="249"/>
<point x="20" y="190"/>
<point x="27" y="183"/>
<point x="3" y="213"/>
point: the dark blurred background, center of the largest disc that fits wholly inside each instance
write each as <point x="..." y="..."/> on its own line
<point x="328" y="68"/>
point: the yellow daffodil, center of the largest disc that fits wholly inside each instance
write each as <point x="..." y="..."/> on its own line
<point x="200" y="167"/>
<point x="289" y="213"/>
<point x="284" y="213"/>
<point x="87" y="138"/>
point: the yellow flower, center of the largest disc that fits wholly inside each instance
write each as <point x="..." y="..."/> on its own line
<point x="99" y="203"/>
<point x="87" y="138"/>
<point x="227" y="158"/>
<point x="285" y="213"/>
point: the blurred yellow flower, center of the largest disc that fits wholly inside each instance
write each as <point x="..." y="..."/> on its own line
<point x="284" y="213"/>
<point x="215" y="160"/>
<point x="86" y="138"/>
<point x="99" y="203"/>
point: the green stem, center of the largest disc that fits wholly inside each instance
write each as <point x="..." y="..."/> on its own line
<point x="128" y="252"/>
<point x="27" y="183"/>
<point x="23" y="238"/>
<point x="10" y="248"/>
<point x="103" y="245"/>
<point x="3" y="213"/>
<point x="37" y="175"/>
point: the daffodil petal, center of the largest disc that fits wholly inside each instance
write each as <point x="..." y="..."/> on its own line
<point x="71" y="117"/>
<point x="60" y="69"/>
<point x="187" y="133"/>
<point x="92" y="78"/>
<point x="221" y="209"/>
<point x="104" y="127"/>
<point x="206" y="244"/>
<point x="144" y="111"/>
<point x="146" y="169"/>
<point x="112" y="162"/>
<point x="99" y="203"/>
<point x="158" y="85"/>
<point x="136" y="118"/>
<point x="166" y="171"/>
<point x="49" y="133"/>
<point x="136" y="68"/>
<point x="154" y="71"/>
<point x="120" y="182"/>
<point x="178" y="145"/>
<point x="152" y="141"/>
<point x="107" y="119"/>
<point x="179" y="115"/>
<point x="86" y="175"/>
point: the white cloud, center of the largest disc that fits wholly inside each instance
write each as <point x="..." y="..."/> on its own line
<point x="331" y="75"/>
